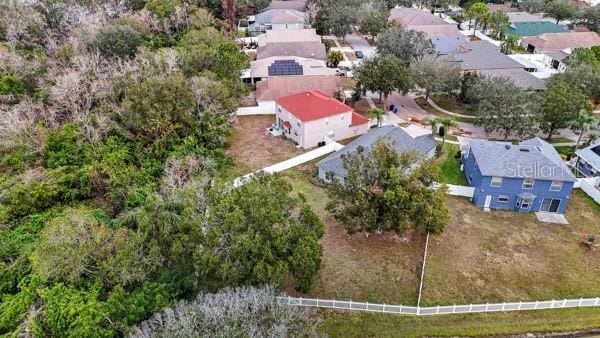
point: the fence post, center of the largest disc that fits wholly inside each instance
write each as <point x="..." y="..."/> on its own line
<point x="453" y="308"/>
<point x="300" y="301"/>
<point x="537" y="302"/>
<point x="350" y="304"/>
<point x="317" y="301"/>
<point x="367" y="307"/>
<point x="564" y="303"/>
<point x="503" y="305"/>
<point x="520" y="303"/>
<point x="383" y="308"/>
<point x="552" y="304"/>
<point x="486" y="307"/>
<point x="333" y="304"/>
<point x="470" y="307"/>
<point x="400" y="308"/>
<point x="579" y="304"/>
<point x="597" y="301"/>
<point x="437" y="309"/>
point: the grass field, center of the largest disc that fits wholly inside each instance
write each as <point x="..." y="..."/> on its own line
<point x="377" y="268"/>
<point x="505" y="256"/>
<point x="450" y="166"/>
<point x="344" y="324"/>
<point x="452" y="105"/>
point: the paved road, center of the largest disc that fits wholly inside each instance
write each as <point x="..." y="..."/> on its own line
<point x="359" y="43"/>
<point x="410" y="109"/>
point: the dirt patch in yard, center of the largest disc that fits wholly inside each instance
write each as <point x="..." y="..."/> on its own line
<point x="376" y="268"/>
<point x="252" y="148"/>
<point x="505" y="256"/>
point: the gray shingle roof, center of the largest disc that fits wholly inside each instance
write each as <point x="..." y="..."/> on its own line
<point x="590" y="156"/>
<point x="476" y="55"/>
<point x="315" y="50"/>
<point x="520" y="77"/>
<point x="392" y="135"/>
<point x="533" y="158"/>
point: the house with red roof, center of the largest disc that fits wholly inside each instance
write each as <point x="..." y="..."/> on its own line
<point x="312" y="117"/>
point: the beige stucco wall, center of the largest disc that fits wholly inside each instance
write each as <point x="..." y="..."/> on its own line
<point x="309" y="134"/>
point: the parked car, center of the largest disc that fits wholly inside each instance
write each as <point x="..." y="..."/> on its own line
<point x="359" y="54"/>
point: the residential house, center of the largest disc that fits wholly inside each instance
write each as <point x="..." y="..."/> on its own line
<point x="285" y="66"/>
<point x="533" y="28"/>
<point x="588" y="160"/>
<point x="530" y="176"/>
<point x="296" y="5"/>
<point x="276" y="19"/>
<point x="412" y="138"/>
<point x="560" y="41"/>
<point x="527" y="17"/>
<point x="486" y="59"/>
<point x="273" y="88"/>
<point x="493" y="8"/>
<point x="299" y="42"/>
<point x="423" y="21"/>
<point x="541" y="66"/>
<point x="313" y="118"/>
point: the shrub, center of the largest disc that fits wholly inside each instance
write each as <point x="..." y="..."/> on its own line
<point x="119" y="41"/>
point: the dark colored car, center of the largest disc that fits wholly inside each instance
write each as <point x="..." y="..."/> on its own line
<point x="359" y="54"/>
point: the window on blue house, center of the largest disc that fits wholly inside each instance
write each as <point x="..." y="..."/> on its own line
<point x="502" y="199"/>
<point x="528" y="183"/>
<point x="556" y="186"/>
<point x="496" y="182"/>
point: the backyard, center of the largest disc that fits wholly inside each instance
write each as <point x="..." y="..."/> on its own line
<point x="450" y="166"/>
<point x="481" y="257"/>
<point x="252" y="148"/>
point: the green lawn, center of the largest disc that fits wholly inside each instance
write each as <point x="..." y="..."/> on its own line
<point x="450" y="166"/>
<point x="345" y="324"/>
<point x="452" y="105"/>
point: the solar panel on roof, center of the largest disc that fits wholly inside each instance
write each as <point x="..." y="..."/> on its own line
<point x="285" y="67"/>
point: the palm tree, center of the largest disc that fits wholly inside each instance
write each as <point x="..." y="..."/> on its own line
<point x="582" y="124"/>
<point x="377" y="113"/>
<point x="510" y="42"/>
<point x="442" y="125"/>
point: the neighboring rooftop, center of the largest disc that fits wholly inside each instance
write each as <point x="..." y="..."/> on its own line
<point x="447" y="45"/>
<point x="312" y="105"/>
<point x="591" y="155"/>
<point x="539" y="65"/>
<point x="493" y="8"/>
<point x="298" y="5"/>
<point x="280" y="16"/>
<point x="408" y="17"/>
<point x="477" y="55"/>
<point x="434" y="31"/>
<point x="305" y="49"/>
<point x="533" y="28"/>
<point x="521" y="78"/>
<point x="561" y="41"/>
<point x="533" y="158"/>
<point x="293" y="35"/>
<point x="273" y="88"/>
<point x="524" y="16"/>
<point x="271" y="66"/>
<point x="400" y="139"/>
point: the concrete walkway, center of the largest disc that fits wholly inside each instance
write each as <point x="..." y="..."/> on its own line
<point x="290" y="163"/>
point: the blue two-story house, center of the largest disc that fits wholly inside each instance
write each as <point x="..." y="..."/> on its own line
<point x="530" y="176"/>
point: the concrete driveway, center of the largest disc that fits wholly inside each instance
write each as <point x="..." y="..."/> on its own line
<point x="359" y="43"/>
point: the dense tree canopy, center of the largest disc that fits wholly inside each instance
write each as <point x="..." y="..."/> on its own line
<point x="435" y="75"/>
<point x="113" y="124"/>
<point x="560" y="10"/>
<point x="383" y="75"/>
<point x="385" y="190"/>
<point x="403" y="44"/>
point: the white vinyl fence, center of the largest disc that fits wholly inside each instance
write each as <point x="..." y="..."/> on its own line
<point x="590" y="187"/>
<point x="458" y="190"/>
<point x="439" y="310"/>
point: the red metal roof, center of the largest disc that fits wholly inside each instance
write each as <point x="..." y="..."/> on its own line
<point x="312" y="105"/>
<point x="358" y="119"/>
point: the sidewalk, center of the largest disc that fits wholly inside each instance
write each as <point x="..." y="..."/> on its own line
<point x="290" y="163"/>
